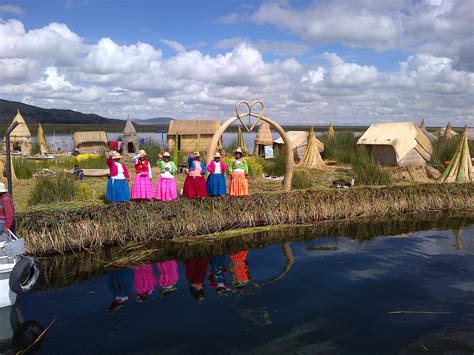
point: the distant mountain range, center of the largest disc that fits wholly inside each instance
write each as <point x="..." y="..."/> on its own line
<point x="33" y="114"/>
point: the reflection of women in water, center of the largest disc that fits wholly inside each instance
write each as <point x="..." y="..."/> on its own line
<point x="217" y="275"/>
<point x="168" y="276"/>
<point x="121" y="285"/>
<point x="239" y="267"/>
<point x="195" y="274"/>
<point x="144" y="281"/>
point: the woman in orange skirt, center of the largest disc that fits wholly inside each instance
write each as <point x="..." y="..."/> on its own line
<point x="239" y="171"/>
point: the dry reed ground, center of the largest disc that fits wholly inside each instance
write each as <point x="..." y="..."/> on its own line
<point x="91" y="227"/>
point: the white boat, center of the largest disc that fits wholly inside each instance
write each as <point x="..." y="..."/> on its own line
<point x="7" y="263"/>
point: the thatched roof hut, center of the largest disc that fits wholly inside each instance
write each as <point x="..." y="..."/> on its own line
<point x="397" y="144"/>
<point x="43" y="144"/>
<point x="422" y="124"/>
<point x="262" y="139"/>
<point x="192" y="135"/>
<point x="299" y="141"/>
<point x="446" y="133"/>
<point x="130" y="139"/>
<point x="312" y="158"/>
<point x="90" y="142"/>
<point x="20" y="137"/>
<point x="331" y="131"/>
<point x="460" y="168"/>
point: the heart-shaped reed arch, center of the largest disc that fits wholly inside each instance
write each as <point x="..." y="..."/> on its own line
<point x="260" y="116"/>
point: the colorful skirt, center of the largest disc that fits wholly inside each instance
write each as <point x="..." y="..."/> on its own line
<point x="117" y="190"/>
<point x="216" y="185"/>
<point x="239" y="185"/>
<point x="194" y="187"/>
<point x="166" y="189"/>
<point x="142" y="188"/>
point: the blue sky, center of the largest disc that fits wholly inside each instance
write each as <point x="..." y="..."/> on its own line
<point x="348" y="62"/>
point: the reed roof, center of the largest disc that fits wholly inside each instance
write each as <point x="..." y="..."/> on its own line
<point x="89" y="137"/>
<point x="299" y="139"/>
<point x="264" y="135"/>
<point x="460" y="168"/>
<point x="20" y="131"/>
<point x="190" y="127"/>
<point x="331" y="131"/>
<point x="402" y="136"/>
<point x="129" y="128"/>
<point x="42" y="140"/>
<point x="312" y="158"/>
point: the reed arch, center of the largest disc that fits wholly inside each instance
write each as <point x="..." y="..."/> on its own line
<point x="260" y="116"/>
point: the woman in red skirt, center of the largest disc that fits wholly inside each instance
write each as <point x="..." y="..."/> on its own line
<point x="195" y="184"/>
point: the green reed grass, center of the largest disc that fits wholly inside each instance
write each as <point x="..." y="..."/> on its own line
<point x="340" y="148"/>
<point x="367" y="171"/>
<point x="302" y="179"/>
<point x="49" y="189"/>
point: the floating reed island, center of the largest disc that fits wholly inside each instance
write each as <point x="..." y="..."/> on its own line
<point x="58" y="231"/>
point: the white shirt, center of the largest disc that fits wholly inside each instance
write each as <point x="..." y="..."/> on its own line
<point x="167" y="173"/>
<point x="120" y="175"/>
<point x="217" y="168"/>
<point x="238" y="162"/>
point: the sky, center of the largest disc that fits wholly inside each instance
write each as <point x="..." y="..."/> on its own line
<point x="350" y="62"/>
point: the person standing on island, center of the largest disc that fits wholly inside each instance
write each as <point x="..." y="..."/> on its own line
<point x="216" y="184"/>
<point x="239" y="171"/>
<point x="7" y="212"/>
<point x="195" y="184"/>
<point x="142" y="188"/>
<point x="166" y="189"/>
<point x="117" y="186"/>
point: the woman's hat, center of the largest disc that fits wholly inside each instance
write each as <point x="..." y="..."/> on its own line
<point x="196" y="154"/>
<point x="116" y="155"/>
<point x="2" y="188"/>
<point x="167" y="154"/>
<point x="142" y="153"/>
<point x="238" y="150"/>
<point x="217" y="155"/>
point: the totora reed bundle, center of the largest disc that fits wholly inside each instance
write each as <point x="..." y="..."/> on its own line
<point x="91" y="227"/>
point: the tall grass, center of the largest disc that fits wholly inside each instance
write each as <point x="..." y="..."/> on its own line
<point x="302" y="179"/>
<point x="152" y="149"/>
<point x="276" y="165"/>
<point x="57" y="188"/>
<point x="367" y="171"/>
<point x="340" y="148"/>
<point x="443" y="150"/>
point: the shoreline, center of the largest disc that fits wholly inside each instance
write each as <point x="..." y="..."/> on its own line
<point x="88" y="228"/>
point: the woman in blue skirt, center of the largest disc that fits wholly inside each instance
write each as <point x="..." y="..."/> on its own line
<point x="117" y="186"/>
<point x="216" y="184"/>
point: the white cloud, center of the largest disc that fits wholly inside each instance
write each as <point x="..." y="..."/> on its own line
<point x="11" y="9"/>
<point x="174" y="45"/>
<point x="230" y="18"/>
<point x="283" y="48"/>
<point x="54" y="67"/>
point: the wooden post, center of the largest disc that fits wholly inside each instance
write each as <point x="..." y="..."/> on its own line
<point x="9" y="160"/>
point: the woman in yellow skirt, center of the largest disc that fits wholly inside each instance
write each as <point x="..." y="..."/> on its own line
<point x="239" y="171"/>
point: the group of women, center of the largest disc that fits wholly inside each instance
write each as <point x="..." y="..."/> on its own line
<point x="142" y="281"/>
<point x="195" y="185"/>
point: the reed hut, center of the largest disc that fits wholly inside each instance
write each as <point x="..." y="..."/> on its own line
<point x="130" y="139"/>
<point x="422" y="124"/>
<point x="90" y="142"/>
<point x="241" y="141"/>
<point x="299" y="142"/>
<point x="460" y="168"/>
<point x="192" y="135"/>
<point x="20" y="137"/>
<point x="446" y="133"/>
<point x="431" y="137"/>
<point x="262" y="139"/>
<point x="331" y="131"/>
<point x="397" y="144"/>
<point x="43" y="144"/>
<point x="312" y="158"/>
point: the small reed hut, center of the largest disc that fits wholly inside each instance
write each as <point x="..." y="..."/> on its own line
<point x="331" y="131"/>
<point x="130" y="139"/>
<point x="262" y="139"/>
<point x="460" y="168"/>
<point x="43" y="144"/>
<point x="312" y="158"/>
<point x="192" y="135"/>
<point x="90" y="142"/>
<point x="446" y="133"/>
<point x="20" y="138"/>
<point x="299" y="141"/>
<point x="431" y="137"/>
<point x="397" y="144"/>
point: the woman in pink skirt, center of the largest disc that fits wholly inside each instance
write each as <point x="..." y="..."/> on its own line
<point x="142" y="188"/>
<point x="166" y="187"/>
<point x="144" y="281"/>
<point x="168" y="276"/>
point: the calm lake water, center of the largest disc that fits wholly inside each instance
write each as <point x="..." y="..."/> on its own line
<point x="410" y="292"/>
